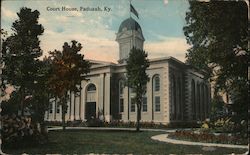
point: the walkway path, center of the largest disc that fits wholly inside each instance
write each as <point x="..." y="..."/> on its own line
<point x="164" y="138"/>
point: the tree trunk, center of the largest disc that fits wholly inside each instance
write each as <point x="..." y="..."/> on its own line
<point x="138" y="117"/>
<point x="64" y="108"/>
<point x="63" y="117"/>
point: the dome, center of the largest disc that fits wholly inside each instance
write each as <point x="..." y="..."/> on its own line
<point x="129" y="24"/>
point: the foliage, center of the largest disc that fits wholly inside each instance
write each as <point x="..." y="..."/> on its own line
<point x="218" y="33"/>
<point x="11" y="106"/>
<point x="20" y="53"/>
<point x="137" y="77"/>
<point x="20" y="131"/>
<point x="123" y="124"/>
<point x="218" y="108"/>
<point x="225" y="125"/>
<point x="207" y="137"/>
<point x="39" y="102"/>
<point x="67" y="70"/>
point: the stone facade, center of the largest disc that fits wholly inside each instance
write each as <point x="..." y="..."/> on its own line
<point x="176" y="92"/>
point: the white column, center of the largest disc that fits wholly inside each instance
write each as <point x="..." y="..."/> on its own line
<point x="101" y="94"/>
<point x="77" y="107"/>
<point x="60" y="113"/>
<point x="80" y="103"/>
<point x="107" y="98"/>
<point x="83" y="84"/>
<point x="72" y="106"/>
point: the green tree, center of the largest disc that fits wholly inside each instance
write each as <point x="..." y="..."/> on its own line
<point x="20" y="53"/>
<point x="40" y="96"/>
<point x="218" y="33"/>
<point x="2" y="85"/>
<point x="68" y="68"/>
<point x="137" y="77"/>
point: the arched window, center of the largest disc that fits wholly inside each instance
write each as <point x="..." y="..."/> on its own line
<point x="156" y="93"/>
<point x="156" y="80"/>
<point x="91" y="87"/>
<point x="91" y="93"/>
<point x="121" y="87"/>
<point x="144" y="101"/>
<point x="193" y="99"/>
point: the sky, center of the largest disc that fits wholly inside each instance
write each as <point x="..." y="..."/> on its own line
<point x="161" y="22"/>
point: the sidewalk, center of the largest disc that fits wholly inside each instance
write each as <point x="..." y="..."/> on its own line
<point x="164" y="138"/>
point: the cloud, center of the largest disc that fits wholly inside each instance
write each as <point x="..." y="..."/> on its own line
<point x="62" y="18"/>
<point x="8" y="13"/>
<point x="176" y="47"/>
<point x="42" y="20"/>
<point x="165" y="2"/>
<point x="93" y="48"/>
<point x="108" y="50"/>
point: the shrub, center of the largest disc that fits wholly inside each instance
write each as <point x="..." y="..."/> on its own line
<point x="18" y="131"/>
<point x="200" y="136"/>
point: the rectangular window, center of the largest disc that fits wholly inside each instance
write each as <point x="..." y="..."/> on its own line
<point x="157" y="103"/>
<point x="121" y="105"/>
<point x="132" y="105"/>
<point x="144" y="104"/>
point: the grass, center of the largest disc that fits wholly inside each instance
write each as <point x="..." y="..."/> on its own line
<point x="112" y="142"/>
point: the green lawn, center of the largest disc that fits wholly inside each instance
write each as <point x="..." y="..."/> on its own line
<point x="111" y="142"/>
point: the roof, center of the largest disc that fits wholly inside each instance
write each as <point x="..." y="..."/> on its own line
<point x="129" y="24"/>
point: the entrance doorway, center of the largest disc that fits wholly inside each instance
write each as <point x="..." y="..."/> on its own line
<point x="90" y="103"/>
<point x="90" y="110"/>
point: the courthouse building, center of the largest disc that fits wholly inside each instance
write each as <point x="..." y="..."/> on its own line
<point x="176" y="92"/>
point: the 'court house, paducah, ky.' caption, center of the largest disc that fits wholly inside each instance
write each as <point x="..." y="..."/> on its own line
<point x="81" y="8"/>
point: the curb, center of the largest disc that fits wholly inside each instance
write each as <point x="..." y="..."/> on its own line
<point x="112" y="129"/>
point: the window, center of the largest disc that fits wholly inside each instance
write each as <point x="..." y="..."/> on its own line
<point x="157" y="103"/>
<point x="157" y="83"/>
<point x="121" y="105"/>
<point x="91" y="87"/>
<point x="50" y="108"/>
<point x="132" y="105"/>
<point x="144" y="104"/>
<point x="121" y="87"/>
